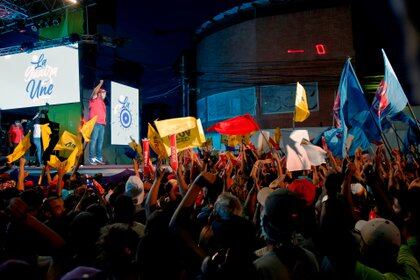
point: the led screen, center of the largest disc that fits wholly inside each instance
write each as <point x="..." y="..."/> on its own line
<point x="43" y="76"/>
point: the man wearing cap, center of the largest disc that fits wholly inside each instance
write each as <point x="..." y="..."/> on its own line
<point x="97" y="108"/>
<point x="134" y="188"/>
<point x="382" y="255"/>
<point x="282" y="218"/>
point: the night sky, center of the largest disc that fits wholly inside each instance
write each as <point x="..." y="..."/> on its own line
<point x="158" y="31"/>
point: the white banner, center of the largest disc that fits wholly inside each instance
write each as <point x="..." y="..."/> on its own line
<point x="43" y="76"/>
<point x="124" y="114"/>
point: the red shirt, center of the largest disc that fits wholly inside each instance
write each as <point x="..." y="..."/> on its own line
<point x="16" y="133"/>
<point x="97" y="108"/>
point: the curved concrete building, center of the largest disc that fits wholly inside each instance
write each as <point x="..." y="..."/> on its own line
<point x="249" y="59"/>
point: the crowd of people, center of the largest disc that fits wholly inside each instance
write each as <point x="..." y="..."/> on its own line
<point x="218" y="216"/>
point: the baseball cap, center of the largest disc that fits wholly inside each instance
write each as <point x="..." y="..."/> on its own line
<point x="134" y="188"/>
<point x="304" y="188"/>
<point x="378" y="231"/>
<point x="282" y="214"/>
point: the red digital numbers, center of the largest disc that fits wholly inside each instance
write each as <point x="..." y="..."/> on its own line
<point x="319" y="50"/>
<point x="295" y="51"/>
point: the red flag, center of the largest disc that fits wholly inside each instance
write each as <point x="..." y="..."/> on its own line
<point x="146" y="156"/>
<point x="240" y="125"/>
<point x="173" y="160"/>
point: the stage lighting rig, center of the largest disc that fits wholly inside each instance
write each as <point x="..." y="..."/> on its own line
<point x="10" y="11"/>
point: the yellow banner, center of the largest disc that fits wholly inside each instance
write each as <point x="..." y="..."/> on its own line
<point x="301" y="104"/>
<point x="68" y="164"/>
<point x="277" y="135"/>
<point x="68" y="141"/>
<point x="54" y="162"/>
<point x="87" y="128"/>
<point x="45" y="135"/>
<point x="135" y="146"/>
<point x="20" y="149"/>
<point x="175" y="126"/>
<point x="235" y="140"/>
<point x="72" y="160"/>
<point x="156" y="142"/>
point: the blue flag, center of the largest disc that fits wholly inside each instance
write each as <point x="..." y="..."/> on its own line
<point x="354" y="109"/>
<point x="390" y="98"/>
<point x="359" y="141"/>
<point x="412" y="137"/>
<point x="334" y="139"/>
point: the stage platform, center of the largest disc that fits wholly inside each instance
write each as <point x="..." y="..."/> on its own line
<point x="106" y="170"/>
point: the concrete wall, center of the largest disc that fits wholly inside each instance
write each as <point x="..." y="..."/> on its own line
<point x="254" y="53"/>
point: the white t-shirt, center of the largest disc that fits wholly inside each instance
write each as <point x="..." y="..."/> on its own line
<point x="37" y="131"/>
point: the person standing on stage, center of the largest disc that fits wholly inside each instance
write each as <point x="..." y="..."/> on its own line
<point x="40" y="118"/>
<point x="15" y="134"/>
<point x="97" y="108"/>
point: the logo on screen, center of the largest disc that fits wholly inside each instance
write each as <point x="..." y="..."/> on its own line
<point x="125" y="114"/>
<point x="39" y="77"/>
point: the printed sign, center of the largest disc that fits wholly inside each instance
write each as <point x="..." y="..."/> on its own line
<point x="125" y="114"/>
<point x="43" y="76"/>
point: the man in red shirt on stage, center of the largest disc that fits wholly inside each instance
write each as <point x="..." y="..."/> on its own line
<point x="97" y="108"/>
<point x="15" y="134"/>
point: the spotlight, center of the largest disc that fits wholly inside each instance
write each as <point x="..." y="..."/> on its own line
<point x="72" y="1"/>
<point x="34" y="28"/>
<point x="55" y="22"/>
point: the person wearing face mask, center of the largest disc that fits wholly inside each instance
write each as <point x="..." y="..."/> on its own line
<point x="97" y="108"/>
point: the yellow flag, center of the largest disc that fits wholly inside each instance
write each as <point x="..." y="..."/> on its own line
<point x="45" y="135"/>
<point x="72" y="160"/>
<point x="175" y="126"/>
<point x="202" y="136"/>
<point x="187" y="139"/>
<point x="136" y="147"/>
<point x="68" y="164"/>
<point x="277" y="135"/>
<point x="156" y="142"/>
<point x="68" y="141"/>
<point x="301" y="104"/>
<point x="87" y="128"/>
<point x="20" y="149"/>
<point x="235" y="140"/>
<point x="54" y="162"/>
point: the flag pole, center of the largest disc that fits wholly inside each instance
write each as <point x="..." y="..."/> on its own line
<point x="333" y="118"/>
<point x="397" y="136"/>
<point x="266" y="140"/>
<point x="293" y="122"/>
<point x="414" y="116"/>
<point x="386" y="143"/>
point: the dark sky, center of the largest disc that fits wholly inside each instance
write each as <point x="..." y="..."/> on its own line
<point x="159" y="30"/>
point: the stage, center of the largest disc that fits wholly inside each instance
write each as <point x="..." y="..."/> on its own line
<point x="105" y="170"/>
